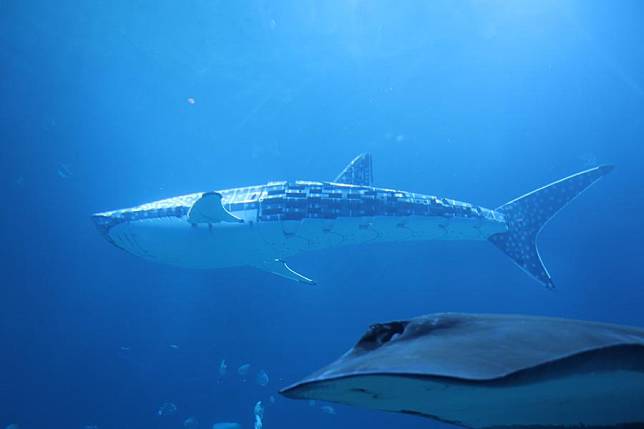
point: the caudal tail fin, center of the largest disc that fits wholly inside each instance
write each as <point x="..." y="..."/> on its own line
<point x="525" y="217"/>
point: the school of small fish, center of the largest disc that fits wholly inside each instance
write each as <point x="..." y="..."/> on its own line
<point x="245" y="372"/>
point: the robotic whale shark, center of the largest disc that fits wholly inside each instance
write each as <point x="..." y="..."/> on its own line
<point x="263" y="225"/>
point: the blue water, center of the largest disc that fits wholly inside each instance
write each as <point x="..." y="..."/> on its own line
<point x="109" y="104"/>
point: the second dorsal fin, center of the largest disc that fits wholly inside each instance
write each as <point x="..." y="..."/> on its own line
<point x="358" y="172"/>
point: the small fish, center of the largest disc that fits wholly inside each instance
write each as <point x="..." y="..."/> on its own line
<point x="223" y="368"/>
<point x="174" y="346"/>
<point x="328" y="409"/>
<point x="262" y="378"/>
<point x="191" y="100"/>
<point x="63" y="171"/>
<point x="191" y="423"/>
<point x="259" y="415"/>
<point x="271" y="399"/>
<point x="124" y="348"/>
<point x="243" y="370"/>
<point x="167" y="409"/>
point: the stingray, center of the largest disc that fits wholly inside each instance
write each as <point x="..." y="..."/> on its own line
<point x="491" y="371"/>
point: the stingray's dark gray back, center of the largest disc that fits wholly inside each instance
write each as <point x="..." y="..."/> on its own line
<point x="475" y="347"/>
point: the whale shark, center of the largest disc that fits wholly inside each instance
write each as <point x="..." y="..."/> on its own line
<point x="491" y="371"/>
<point x="262" y="226"/>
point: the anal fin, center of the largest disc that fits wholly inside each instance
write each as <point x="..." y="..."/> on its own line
<point x="280" y="268"/>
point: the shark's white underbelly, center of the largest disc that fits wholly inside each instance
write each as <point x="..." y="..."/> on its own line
<point x="175" y="241"/>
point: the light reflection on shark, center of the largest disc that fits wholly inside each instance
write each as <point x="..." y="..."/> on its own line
<point x="261" y="226"/>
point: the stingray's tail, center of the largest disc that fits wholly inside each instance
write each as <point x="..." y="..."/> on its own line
<point x="526" y="215"/>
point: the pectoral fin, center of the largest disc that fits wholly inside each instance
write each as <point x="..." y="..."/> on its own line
<point x="279" y="267"/>
<point x="209" y="209"/>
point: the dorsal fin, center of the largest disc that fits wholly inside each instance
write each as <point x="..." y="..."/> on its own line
<point x="358" y="172"/>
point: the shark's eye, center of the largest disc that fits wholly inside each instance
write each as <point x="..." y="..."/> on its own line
<point x="380" y="334"/>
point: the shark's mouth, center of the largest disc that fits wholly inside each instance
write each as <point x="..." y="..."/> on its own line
<point x="129" y="242"/>
<point x="115" y="230"/>
<point x="106" y="221"/>
<point x="104" y="224"/>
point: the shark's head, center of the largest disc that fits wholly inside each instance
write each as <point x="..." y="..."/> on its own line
<point x="140" y="230"/>
<point x="191" y="231"/>
<point x="126" y="230"/>
<point x="104" y="222"/>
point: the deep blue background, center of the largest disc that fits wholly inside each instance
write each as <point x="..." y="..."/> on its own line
<point x="476" y="100"/>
